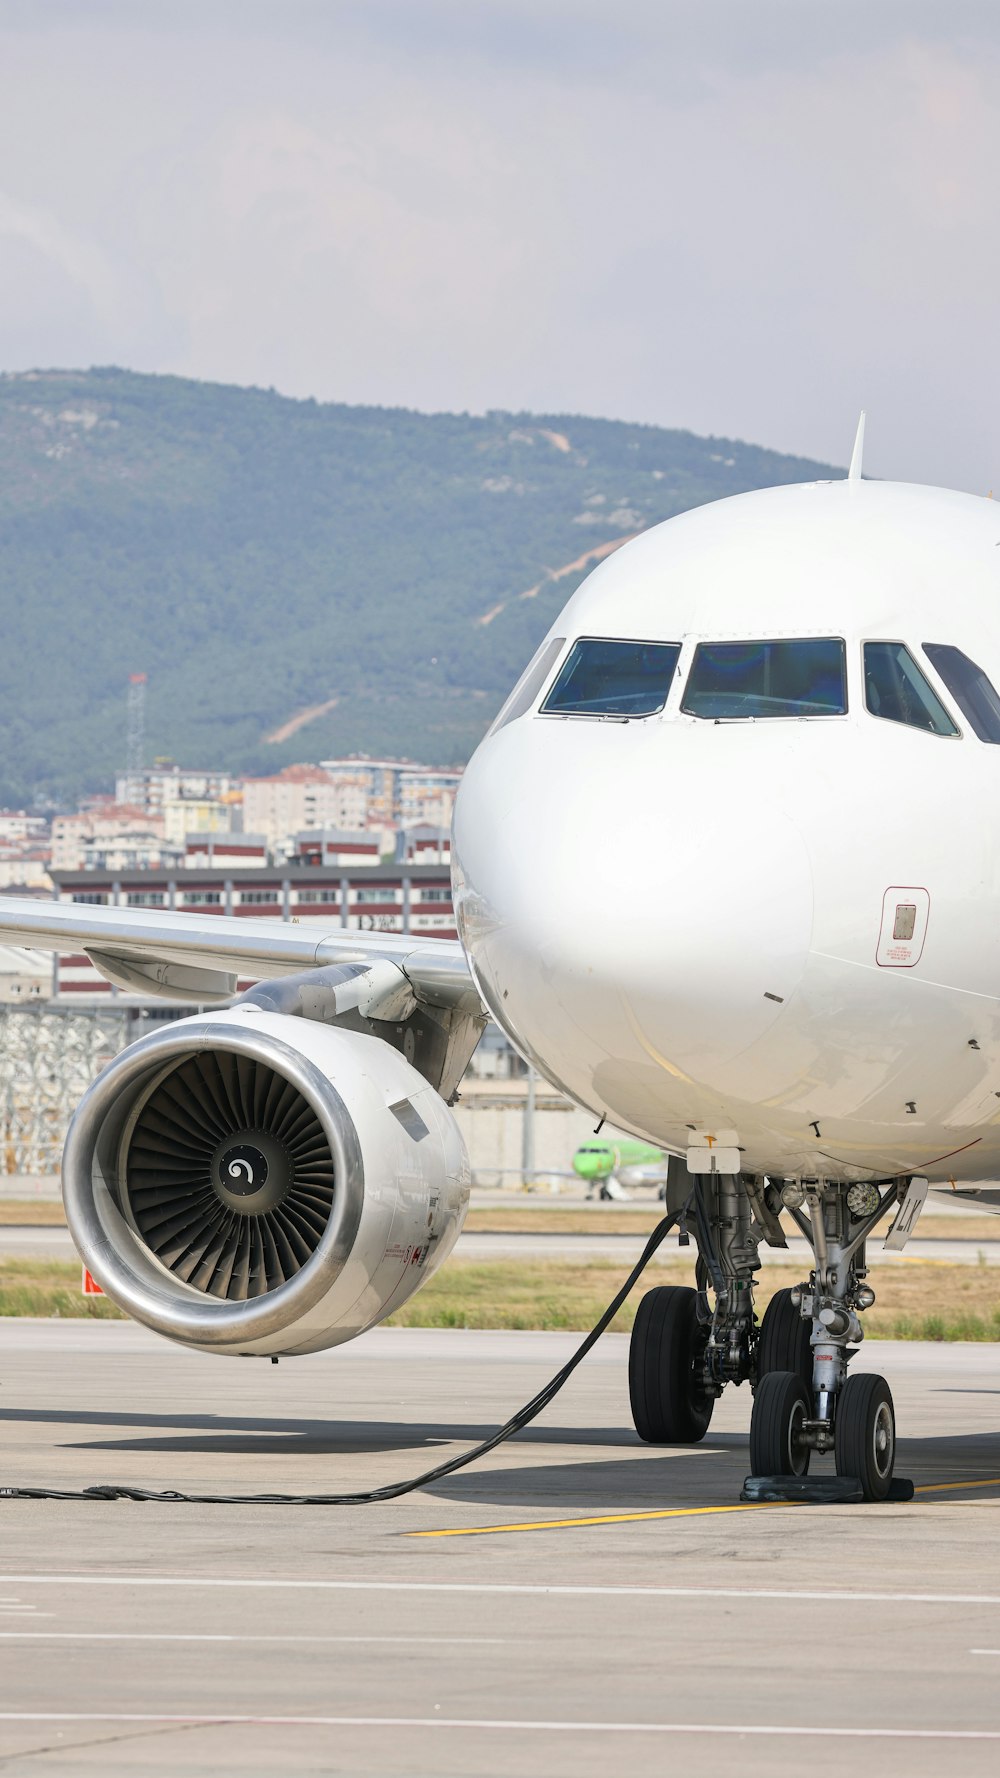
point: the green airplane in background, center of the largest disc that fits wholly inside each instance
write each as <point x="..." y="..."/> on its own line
<point x="611" y="1167"/>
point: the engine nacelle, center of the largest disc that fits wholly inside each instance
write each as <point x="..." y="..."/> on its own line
<point x="247" y="1182"/>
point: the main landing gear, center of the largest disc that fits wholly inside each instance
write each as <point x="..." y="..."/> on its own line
<point x="688" y="1344"/>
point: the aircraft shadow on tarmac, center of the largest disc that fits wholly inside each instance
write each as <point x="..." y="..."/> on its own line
<point x="639" y="1478"/>
<point x="650" y="1482"/>
<point x="246" y="1435"/>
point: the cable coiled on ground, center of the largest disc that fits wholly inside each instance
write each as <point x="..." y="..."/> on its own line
<point x="391" y="1490"/>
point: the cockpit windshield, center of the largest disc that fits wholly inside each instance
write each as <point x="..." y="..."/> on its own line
<point x="897" y="691"/>
<point x="618" y="679"/>
<point x="733" y="681"/>
<point x="972" y="691"/>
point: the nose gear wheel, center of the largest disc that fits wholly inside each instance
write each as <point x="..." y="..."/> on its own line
<point x="670" y="1405"/>
<point x="785" y="1339"/>
<point x="865" y="1433"/>
<point x="780" y="1409"/>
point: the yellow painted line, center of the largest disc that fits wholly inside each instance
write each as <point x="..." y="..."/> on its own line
<point x="665" y="1512"/>
<point x="992" y="1481"/>
<point x="669" y="1512"/>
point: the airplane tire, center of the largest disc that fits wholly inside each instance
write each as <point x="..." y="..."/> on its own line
<point x="668" y="1406"/>
<point x="781" y="1404"/>
<point x="865" y="1434"/>
<point x="784" y="1343"/>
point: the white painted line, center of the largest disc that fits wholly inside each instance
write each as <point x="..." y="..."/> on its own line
<point x="531" y="1589"/>
<point x="271" y="1641"/>
<point x="984" y="1651"/>
<point x="497" y="1724"/>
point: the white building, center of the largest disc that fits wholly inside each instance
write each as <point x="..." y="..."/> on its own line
<point x="24" y="975"/>
<point x="27" y="865"/>
<point x="401" y="791"/>
<point x="192" y="814"/>
<point x="78" y="840"/>
<point x="16" y="826"/>
<point x="427" y="796"/>
<point x="218" y="851"/>
<point x="300" y="798"/>
<point x="154" y="786"/>
<point x="424" y="844"/>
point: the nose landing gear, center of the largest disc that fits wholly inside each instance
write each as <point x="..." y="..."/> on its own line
<point x="853" y="1417"/>
<point x="685" y="1349"/>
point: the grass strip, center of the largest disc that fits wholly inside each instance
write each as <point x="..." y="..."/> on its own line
<point x="924" y="1300"/>
<point x="50" y="1289"/>
<point x="534" y="1218"/>
<point x="32" y="1212"/>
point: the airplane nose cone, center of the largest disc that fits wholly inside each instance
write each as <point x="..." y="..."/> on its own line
<point x="625" y="902"/>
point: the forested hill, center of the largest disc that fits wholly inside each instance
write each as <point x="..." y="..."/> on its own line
<point x="259" y="558"/>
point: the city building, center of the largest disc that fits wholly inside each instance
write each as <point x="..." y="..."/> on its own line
<point x="400" y="790"/>
<point x="426" y="797"/>
<point x="218" y="851"/>
<point x="24" y="863"/>
<point x="424" y="845"/>
<point x="328" y="846"/>
<point x="24" y="975"/>
<point x="104" y="834"/>
<point x="17" y="826"/>
<point x="200" y="814"/>
<point x="302" y="797"/>
<point x="150" y="788"/>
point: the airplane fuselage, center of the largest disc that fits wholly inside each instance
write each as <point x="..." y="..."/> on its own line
<point x="791" y="926"/>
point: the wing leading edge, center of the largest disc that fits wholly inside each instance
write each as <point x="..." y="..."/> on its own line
<point x="200" y="957"/>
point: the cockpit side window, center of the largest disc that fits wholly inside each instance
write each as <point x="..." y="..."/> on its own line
<point x="972" y="691"/>
<point x="607" y="678"/>
<point x="897" y="691"/>
<point x="739" y="681"/>
<point x="530" y="683"/>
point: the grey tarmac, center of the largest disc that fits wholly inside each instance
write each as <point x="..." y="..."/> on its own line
<point x="163" y="1639"/>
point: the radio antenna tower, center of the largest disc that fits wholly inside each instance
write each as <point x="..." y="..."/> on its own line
<point x="136" y="746"/>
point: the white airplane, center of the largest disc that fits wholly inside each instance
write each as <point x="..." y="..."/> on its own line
<point x="785" y="971"/>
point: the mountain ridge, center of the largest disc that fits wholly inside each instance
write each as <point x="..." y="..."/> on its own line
<point x="259" y="557"/>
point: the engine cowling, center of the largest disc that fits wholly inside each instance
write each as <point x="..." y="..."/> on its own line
<point x="251" y="1183"/>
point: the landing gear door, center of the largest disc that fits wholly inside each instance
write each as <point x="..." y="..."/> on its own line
<point x="905" y="1220"/>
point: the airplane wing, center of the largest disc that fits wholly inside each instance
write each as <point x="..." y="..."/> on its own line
<point x="200" y="957"/>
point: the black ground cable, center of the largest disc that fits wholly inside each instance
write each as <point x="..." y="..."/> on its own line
<point x="392" y="1490"/>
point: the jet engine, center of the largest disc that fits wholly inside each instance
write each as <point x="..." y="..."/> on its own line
<point x="247" y="1182"/>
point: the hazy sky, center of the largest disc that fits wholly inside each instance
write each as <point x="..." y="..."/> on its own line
<point x="742" y="216"/>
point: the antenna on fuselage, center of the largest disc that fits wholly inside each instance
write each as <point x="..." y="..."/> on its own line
<point x="854" y="473"/>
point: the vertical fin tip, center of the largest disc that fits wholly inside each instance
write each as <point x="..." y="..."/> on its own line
<point x="854" y="473"/>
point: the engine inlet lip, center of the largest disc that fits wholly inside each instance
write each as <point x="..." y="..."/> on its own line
<point x="113" y="1251"/>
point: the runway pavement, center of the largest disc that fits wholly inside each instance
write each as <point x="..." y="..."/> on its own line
<point x="31" y="1242"/>
<point x="577" y="1603"/>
